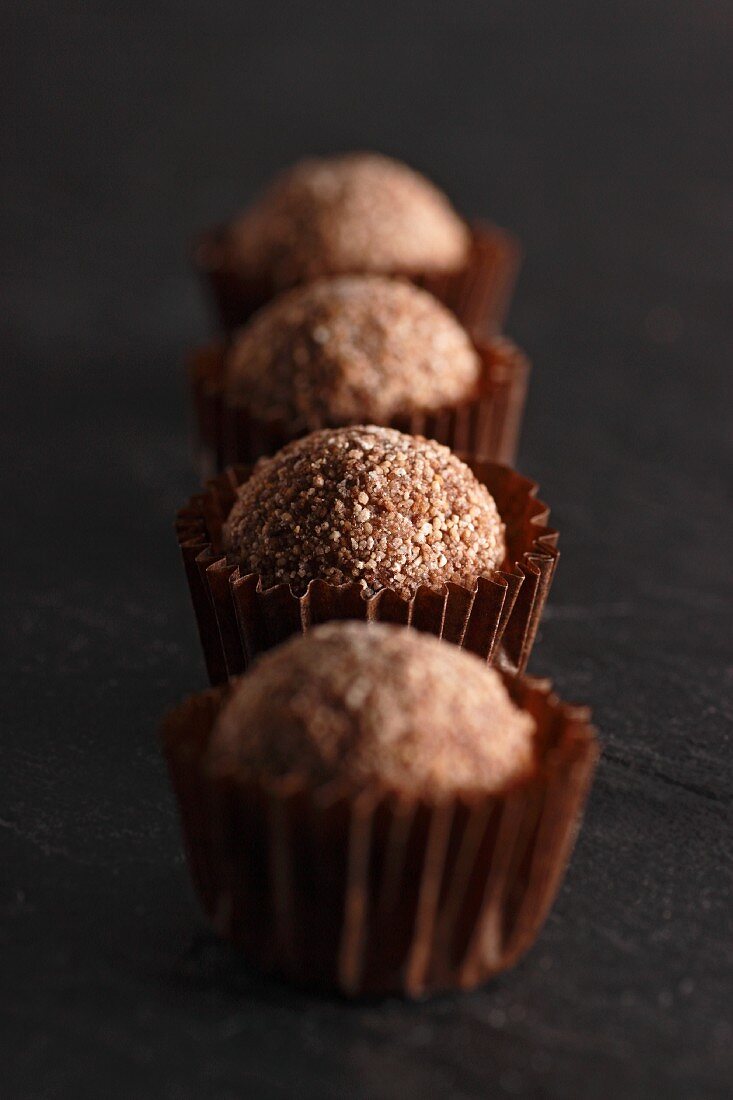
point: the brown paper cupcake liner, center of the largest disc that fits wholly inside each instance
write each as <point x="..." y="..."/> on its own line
<point x="497" y="620"/>
<point x="485" y="428"/>
<point x="479" y="294"/>
<point x="378" y="893"/>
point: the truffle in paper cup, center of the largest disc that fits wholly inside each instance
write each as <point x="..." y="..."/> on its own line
<point x="375" y="893"/>
<point x="497" y="619"/>
<point x="485" y="427"/>
<point x="350" y="214"/>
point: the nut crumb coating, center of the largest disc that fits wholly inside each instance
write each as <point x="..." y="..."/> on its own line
<point x="374" y="704"/>
<point x="352" y="349"/>
<point x="357" y="212"/>
<point x="365" y="504"/>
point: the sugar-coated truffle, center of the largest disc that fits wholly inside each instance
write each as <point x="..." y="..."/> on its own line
<point x="365" y="504"/>
<point x="373" y="704"/>
<point x="358" y="212"/>
<point x="355" y="348"/>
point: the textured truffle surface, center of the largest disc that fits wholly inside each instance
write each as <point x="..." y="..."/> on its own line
<point x="365" y="504"/>
<point x="360" y="212"/>
<point x="373" y="704"/>
<point x="351" y="349"/>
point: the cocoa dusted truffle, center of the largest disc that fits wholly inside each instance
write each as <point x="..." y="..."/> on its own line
<point x="365" y="504"/>
<point x="351" y="349"/>
<point x="359" y="212"/>
<point x="374" y="705"/>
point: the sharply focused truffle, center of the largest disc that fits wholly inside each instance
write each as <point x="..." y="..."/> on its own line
<point x="351" y="349"/>
<point x="359" y="212"/>
<point x="365" y="504"/>
<point x="374" y="704"/>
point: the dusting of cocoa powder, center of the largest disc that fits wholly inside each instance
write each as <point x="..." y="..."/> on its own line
<point x="365" y="504"/>
<point x="374" y="704"/>
<point x="358" y="212"/>
<point x="352" y="349"/>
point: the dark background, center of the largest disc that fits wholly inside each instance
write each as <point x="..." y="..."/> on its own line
<point x="600" y="133"/>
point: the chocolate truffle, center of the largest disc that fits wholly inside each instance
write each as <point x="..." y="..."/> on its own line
<point x="373" y="704"/>
<point x="351" y="349"/>
<point x="359" y="212"/>
<point x="365" y="504"/>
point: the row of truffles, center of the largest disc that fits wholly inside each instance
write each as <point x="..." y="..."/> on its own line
<point x="365" y="709"/>
<point x="353" y="349"/>
<point x="360" y="212"/>
<point x="365" y="504"/>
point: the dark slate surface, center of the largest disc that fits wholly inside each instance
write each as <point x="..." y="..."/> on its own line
<point x="597" y="131"/>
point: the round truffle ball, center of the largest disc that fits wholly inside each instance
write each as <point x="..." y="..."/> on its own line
<point x="365" y="504"/>
<point x="351" y="349"/>
<point x="359" y="212"/>
<point x="373" y="704"/>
